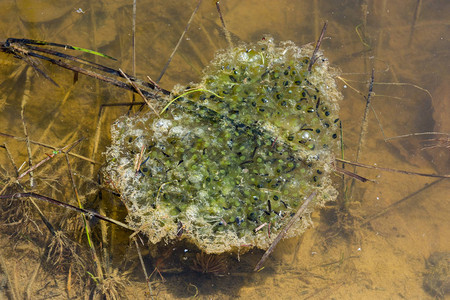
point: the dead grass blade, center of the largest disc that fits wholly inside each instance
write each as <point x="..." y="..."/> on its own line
<point x="390" y="169"/>
<point x="283" y="232"/>
<point x="88" y="212"/>
<point x="179" y="41"/>
<point x="319" y="42"/>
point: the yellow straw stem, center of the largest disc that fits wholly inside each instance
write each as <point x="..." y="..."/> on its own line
<point x="184" y="94"/>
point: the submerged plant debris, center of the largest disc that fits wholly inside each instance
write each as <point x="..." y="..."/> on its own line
<point x="230" y="160"/>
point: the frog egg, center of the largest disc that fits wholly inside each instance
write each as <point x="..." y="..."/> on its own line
<point x="244" y="151"/>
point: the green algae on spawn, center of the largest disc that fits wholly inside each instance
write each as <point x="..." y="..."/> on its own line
<point x="239" y="150"/>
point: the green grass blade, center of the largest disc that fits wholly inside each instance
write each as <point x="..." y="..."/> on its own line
<point x="44" y="43"/>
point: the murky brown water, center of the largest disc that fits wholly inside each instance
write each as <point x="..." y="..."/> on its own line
<point x="377" y="250"/>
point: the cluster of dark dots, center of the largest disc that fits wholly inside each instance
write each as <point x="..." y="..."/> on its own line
<point x="245" y="179"/>
<point x="284" y="92"/>
<point x="231" y="149"/>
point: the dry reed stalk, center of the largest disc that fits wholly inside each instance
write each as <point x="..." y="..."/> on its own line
<point x="49" y="156"/>
<point x="179" y="42"/>
<point x="356" y="164"/>
<point x="11" y="159"/>
<point x="417" y="134"/>
<point x="365" y="122"/>
<point x="283" y="232"/>
<point x="227" y="32"/>
<point x="363" y="131"/>
<point x="138" y="90"/>
<point x="49" y="147"/>
<point x="394" y="205"/>
<point x="147" y="279"/>
<point x="313" y="58"/>
<point x="88" y="212"/>
<point x="25" y="98"/>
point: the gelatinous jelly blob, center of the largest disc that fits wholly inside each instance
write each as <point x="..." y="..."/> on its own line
<point x="239" y="150"/>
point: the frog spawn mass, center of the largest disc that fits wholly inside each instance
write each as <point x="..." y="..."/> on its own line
<point x="231" y="160"/>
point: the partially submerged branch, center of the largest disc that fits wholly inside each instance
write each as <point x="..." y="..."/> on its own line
<point x="284" y="231"/>
<point x="25" y="48"/>
<point x="319" y="42"/>
<point x="391" y="170"/>
<point x="351" y="174"/>
<point x="90" y="213"/>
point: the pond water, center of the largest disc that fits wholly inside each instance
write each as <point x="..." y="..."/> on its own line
<point x="373" y="242"/>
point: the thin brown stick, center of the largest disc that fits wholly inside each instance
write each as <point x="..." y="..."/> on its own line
<point x="152" y="82"/>
<point x="49" y="156"/>
<point x="72" y="180"/>
<point x="406" y="84"/>
<point x="368" y="219"/>
<point x="391" y="170"/>
<point x="319" y="41"/>
<point x="137" y="165"/>
<point x="88" y="212"/>
<point x="416" y="134"/>
<point x="364" y="122"/>
<point x="283" y="232"/>
<point x="11" y="159"/>
<point x="364" y="126"/>
<point x="49" y="147"/>
<point x="121" y="104"/>
<point x="351" y="174"/>
<point x="227" y="33"/>
<point x="179" y="42"/>
<point x="5" y="186"/>
<point x="97" y="135"/>
<point x="138" y="90"/>
<point x="259" y="227"/>
<point x="143" y="267"/>
<point x="69" y="282"/>
<point x="25" y="98"/>
<point x="6" y="47"/>
<point x="44" y="219"/>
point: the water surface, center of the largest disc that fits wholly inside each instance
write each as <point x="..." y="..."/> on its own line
<point x="377" y="247"/>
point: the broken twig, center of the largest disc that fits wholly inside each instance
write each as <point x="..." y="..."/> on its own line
<point x="66" y="205"/>
<point x="227" y="32"/>
<point x="319" y="41"/>
<point x="284" y="231"/>
<point x="178" y="43"/>
<point x="139" y="91"/>
<point x="391" y="170"/>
